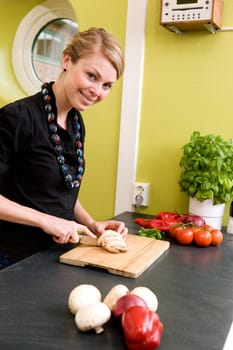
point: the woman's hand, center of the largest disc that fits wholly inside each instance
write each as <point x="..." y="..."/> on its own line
<point x="99" y="227"/>
<point x="64" y="231"/>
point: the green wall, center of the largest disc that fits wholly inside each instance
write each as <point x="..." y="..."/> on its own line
<point x="187" y="86"/>
<point x="12" y="13"/>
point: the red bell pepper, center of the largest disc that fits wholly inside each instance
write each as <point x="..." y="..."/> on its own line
<point x="162" y="221"/>
<point x="159" y="224"/>
<point x="167" y="215"/>
<point x="152" y="223"/>
<point x="142" y="328"/>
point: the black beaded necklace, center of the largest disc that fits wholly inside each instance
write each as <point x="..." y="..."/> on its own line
<point x="55" y="138"/>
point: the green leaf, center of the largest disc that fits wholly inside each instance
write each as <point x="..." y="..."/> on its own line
<point x="206" y="165"/>
<point x="151" y="233"/>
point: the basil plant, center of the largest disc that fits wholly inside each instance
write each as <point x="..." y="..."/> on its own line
<point x="207" y="168"/>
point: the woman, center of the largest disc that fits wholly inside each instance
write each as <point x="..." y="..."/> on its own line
<point x="41" y="151"/>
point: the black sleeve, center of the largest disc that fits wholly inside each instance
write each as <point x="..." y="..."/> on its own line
<point x="14" y="131"/>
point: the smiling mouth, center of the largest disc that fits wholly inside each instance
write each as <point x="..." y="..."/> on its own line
<point x="87" y="100"/>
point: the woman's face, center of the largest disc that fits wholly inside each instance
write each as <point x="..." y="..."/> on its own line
<point x="87" y="81"/>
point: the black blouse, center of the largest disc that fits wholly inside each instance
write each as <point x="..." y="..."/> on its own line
<point x="29" y="172"/>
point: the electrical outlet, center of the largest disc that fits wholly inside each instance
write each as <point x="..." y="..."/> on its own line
<point x="141" y="193"/>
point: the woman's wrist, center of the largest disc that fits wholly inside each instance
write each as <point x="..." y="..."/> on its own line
<point x="92" y="226"/>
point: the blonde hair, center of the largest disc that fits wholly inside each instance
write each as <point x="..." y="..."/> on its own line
<point x="87" y="42"/>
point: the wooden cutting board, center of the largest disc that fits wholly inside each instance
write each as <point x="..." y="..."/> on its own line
<point x="141" y="253"/>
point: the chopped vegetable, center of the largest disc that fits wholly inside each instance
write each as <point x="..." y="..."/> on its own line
<point x="112" y="241"/>
<point x="142" y="328"/>
<point x="151" y="233"/>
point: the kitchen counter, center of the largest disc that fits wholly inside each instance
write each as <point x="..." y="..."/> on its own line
<point x="194" y="287"/>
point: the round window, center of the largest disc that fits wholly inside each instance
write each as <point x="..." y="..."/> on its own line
<point x="48" y="46"/>
<point x="39" y="43"/>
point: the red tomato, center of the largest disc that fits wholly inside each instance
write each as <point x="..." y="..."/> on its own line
<point x="207" y="227"/>
<point x="217" y="237"/>
<point x="195" y="228"/>
<point x="174" y="229"/>
<point x="202" y="238"/>
<point x="185" y="236"/>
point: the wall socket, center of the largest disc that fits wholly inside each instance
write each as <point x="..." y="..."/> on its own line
<point x="141" y="193"/>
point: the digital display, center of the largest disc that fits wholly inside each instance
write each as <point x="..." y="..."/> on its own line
<point x="181" y="2"/>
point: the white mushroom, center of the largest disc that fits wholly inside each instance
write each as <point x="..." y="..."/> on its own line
<point x="146" y="294"/>
<point x="118" y="291"/>
<point x="92" y="316"/>
<point x="82" y="295"/>
<point x="112" y="241"/>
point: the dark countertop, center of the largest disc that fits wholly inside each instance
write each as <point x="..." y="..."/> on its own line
<point x="194" y="287"/>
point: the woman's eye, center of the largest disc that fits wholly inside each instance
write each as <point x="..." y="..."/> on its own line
<point x="91" y="76"/>
<point x="107" y="86"/>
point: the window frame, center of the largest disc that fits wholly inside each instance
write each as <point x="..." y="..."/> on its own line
<point x="27" y="31"/>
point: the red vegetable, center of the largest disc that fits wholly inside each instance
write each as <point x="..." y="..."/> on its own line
<point x="142" y="328"/>
<point x="217" y="237"/>
<point x="165" y="219"/>
<point x="125" y="302"/>
<point x="193" y="219"/>
<point x="174" y="229"/>
<point x="202" y="238"/>
<point x="146" y="223"/>
<point x="185" y="236"/>
<point x="159" y="224"/>
<point x="167" y="215"/>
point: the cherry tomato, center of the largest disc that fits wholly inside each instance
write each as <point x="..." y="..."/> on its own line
<point x="202" y="238"/>
<point x="185" y="236"/>
<point x="174" y="229"/>
<point x="207" y="227"/>
<point x="195" y="228"/>
<point x="217" y="237"/>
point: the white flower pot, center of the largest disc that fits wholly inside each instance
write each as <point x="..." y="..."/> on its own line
<point x="212" y="214"/>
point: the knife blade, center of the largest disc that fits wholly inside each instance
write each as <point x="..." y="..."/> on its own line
<point x="88" y="240"/>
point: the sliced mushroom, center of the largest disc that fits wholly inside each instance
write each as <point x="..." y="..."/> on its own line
<point x="82" y="295"/>
<point x="92" y="316"/>
<point x="112" y="241"/>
